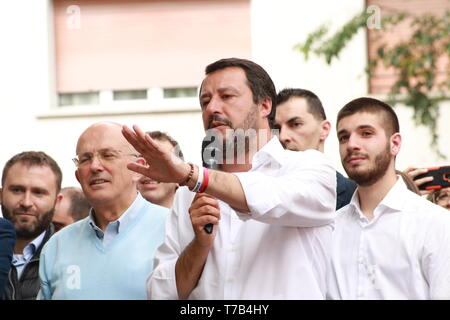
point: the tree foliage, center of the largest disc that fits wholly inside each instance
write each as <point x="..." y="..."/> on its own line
<point x="421" y="82"/>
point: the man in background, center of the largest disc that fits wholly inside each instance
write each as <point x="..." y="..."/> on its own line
<point x="160" y="193"/>
<point x="303" y="125"/>
<point x="72" y="207"/>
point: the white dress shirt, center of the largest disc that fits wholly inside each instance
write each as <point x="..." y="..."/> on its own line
<point x="403" y="253"/>
<point x="281" y="250"/>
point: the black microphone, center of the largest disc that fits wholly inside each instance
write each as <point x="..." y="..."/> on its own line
<point x="210" y="156"/>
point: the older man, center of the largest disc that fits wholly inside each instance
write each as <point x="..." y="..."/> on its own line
<point x="109" y="254"/>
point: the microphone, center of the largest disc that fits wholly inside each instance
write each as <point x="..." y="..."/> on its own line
<point x="210" y="156"/>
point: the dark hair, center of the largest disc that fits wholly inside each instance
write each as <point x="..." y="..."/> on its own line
<point x="79" y="206"/>
<point x="258" y="80"/>
<point x="159" y="135"/>
<point x="371" y="105"/>
<point x="31" y="159"/>
<point x="313" y="102"/>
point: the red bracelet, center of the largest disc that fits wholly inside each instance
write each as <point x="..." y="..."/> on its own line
<point x="205" y="181"/>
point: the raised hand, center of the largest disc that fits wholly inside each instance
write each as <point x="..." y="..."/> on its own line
<point x="162" y="165"/>
<point x="414" y="172"/>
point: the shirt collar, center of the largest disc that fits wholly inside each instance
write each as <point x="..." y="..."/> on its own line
<point x="392" y="202"/>
<point x="272" y="150"/>
<point x="31" y="248"/>
<point x="122" y="221"/>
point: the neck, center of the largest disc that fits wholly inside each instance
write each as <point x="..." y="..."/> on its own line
<point x="108" y="212"/>
<point x="371" y="196"/>
<point x="167" y="202"/>
<point x="20" y="245"/>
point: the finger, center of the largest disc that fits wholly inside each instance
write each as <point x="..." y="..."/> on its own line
<point x="133" y="139"/>
<point x="425" y="192"/>
<point x="200" y="222"/>
<point x="414" y="173"/>
<point x="139" y="168"/>
<point x="409" y="169"/>
<point x="203" y="201"/>
<point x="205" y="210"/>
<point x="421" y="181"/>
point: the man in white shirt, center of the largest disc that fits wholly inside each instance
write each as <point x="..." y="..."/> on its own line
<point x="271" y="209"/>
<point x="389" y="243"/>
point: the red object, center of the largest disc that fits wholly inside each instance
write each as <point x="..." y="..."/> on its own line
<point x="205" y="181"/>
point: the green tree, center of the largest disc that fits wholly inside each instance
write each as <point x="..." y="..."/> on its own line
<point x="418" y="84"/>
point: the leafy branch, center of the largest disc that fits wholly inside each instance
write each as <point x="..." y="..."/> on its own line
<point x="421" y="63"/>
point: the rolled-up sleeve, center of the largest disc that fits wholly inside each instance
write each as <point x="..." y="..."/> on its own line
<point x="302" y="194"/>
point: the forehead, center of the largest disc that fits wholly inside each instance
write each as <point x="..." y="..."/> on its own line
<point x="101" y="137"/>
<point x="293" y="107"/>
<point x="32" y="176"/>
<point x="359" y="119"/>
<point x="229" y="77"/>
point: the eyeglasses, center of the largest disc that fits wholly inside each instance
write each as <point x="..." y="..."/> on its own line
<point x="103" y="156"/>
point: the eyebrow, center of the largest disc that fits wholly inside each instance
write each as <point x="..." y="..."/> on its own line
<point x="206" y="94"/>
<point x="293" y="119"/>
<point x="361" y="127"/>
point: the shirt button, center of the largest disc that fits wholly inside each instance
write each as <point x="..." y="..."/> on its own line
<point x="230" y="279"/>
<point x="360" y="260"/>
<point x="360" y="293"/>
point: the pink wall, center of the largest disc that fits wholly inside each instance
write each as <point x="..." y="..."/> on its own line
<point x="137" y="44"/>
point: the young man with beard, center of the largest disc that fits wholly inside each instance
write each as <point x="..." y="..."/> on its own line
<point x="303" y="125"/>
<point x="31" y="182"/>
<point x="271" y="210"/>
<point x="160" y="193"/>
<point x="389" y="243"/>
<point x="109" y="254"/>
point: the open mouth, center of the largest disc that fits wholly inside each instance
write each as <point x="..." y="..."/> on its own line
<point x="95" y="182"/>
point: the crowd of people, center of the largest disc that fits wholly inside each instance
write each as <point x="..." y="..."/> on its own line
<point x="274" y="220"/>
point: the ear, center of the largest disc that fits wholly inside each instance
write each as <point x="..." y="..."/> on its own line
<point x="325" y="130"/>
<point x="396" y="143"/>
<point x="266" y="107"/>
<point x="77" y="176"/>
<point x="59" y="197"/>
<point x="1" y="194"/>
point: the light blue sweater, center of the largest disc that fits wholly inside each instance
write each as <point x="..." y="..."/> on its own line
<point x="75" y="264"/>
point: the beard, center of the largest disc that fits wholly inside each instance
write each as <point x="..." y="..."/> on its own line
<point x="238" y="140"/>
<point x="30" y="230"/>
<point x="376" y="169"/>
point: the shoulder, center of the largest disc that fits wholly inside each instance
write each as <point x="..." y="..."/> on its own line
<point x="421" y="205"/>
<point x="67" y="235"/>
<point x="6" y="225"/>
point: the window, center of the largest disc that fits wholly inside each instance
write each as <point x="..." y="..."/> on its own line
<point x="120" y="95"/>
<point x="180" y="92"/>
<point x="77" y="99"/>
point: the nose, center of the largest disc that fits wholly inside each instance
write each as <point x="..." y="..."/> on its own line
<point x="26" y="200"/>
<point x="352" y="143"/>
<point x="284" y="136"/>
<point x="96" y="164"/>
<point x="215" y="106"/>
